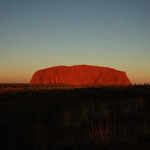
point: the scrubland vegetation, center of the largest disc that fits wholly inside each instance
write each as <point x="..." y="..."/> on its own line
<point x="69" y="118"/>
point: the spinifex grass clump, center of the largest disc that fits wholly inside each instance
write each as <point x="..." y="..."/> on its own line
<point x="105" y="122"/>
<point x="85" y="121"/>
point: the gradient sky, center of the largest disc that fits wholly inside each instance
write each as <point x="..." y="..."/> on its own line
<point x="36" y="34"/>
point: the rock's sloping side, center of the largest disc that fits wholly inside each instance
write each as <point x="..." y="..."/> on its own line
<point x="80" y="75"/>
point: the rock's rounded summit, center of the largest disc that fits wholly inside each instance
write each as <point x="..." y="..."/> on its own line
<point x="80" y="75"/>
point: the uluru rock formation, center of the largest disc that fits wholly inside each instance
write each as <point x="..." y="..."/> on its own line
<point x="80" y="75"/>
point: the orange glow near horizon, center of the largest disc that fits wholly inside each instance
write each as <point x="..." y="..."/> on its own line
<point x="24" y="76"/>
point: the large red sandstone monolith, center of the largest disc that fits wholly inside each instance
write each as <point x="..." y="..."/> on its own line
<point x="80" y="75"/>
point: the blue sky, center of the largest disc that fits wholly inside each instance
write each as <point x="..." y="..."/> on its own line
<point x="36" y="34"/>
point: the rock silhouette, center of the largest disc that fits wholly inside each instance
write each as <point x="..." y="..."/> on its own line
<point x="80" y="75"/>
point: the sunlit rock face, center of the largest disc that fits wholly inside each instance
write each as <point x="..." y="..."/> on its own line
<point x="80" y="75"/>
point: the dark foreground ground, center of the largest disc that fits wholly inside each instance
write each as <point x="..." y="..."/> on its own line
<point x="68" y="118"/>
